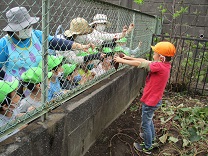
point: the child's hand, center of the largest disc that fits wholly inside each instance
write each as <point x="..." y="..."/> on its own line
<point x="125" y="28"/>
<point x="93" y="74"/>
<point x="102" y="56"/>
<point x="140" y="43"/>
<point x="115" y="37"/>
<point x="92" y="45"/>
<point x="131" y="27"/>
<point x="86" y="47"/>
<point x="65" y="91"/>
<point x="30" y="108"/>
<point x="125" y="57"/>
<point x="117" y="59"/>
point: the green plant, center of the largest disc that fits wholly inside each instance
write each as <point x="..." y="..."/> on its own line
<point x="183" y="125"/>
<point x="134" y="108"/>
<point x="178" y="13"/>
<point x="139" y="1"/>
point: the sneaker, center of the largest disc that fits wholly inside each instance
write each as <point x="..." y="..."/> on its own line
<point x="141" y="147"/>
<point x="154" y="142"/>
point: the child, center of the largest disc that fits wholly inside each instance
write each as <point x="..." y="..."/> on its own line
<point x="9" y="108"/>
<point x="85" y="72"/>
<point x="54" y="65"/>
<point x="32" y="80"/>
<point x="159" y="72"/>
<point x="9" y="100"/>
<point x="69" y="74"/>
<point x="105" y="64"/>
<point x="121" y="46"/>
<point x="85" y="69"/>
<point x="108" y="51"/>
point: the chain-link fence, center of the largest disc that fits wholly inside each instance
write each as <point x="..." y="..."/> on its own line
<point x="52" y="50"/>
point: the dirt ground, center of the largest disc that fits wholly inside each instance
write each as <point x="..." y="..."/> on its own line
<point x="118" y="138"/>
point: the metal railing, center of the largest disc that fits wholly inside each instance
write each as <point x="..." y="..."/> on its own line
<point x="53" y="13"/>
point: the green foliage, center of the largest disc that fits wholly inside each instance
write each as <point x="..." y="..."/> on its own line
<point x="162" y="9"/>
<point x="183" y="126"/>
<point x="193" y="62"/>
<point x="194" y="122"/>
<point x="147" y="56"/>
<point x="173" y="139"/>
<point x="180" y="12"/>
<point x="206" y="45"/>
<point x="139" y="1"/>
<point x="134" y="108"/>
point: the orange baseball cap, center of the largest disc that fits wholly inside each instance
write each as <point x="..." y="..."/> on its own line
<point x="164" y="48"/>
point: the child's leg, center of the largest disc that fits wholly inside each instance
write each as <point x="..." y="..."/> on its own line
<point x="147" y="124"/>
<point x="152" y="130"/>
<point x="147" y="115"/>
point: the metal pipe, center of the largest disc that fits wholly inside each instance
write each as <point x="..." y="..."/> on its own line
<point x="132" y="32"/>
<point x="45" y="29"/>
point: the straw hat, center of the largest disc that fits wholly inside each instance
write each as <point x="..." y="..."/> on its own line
<point x="18" y="19"/>
<point x="78" y="26"/>
<point x="100" y="18"/>
<point x="164" y="48"/>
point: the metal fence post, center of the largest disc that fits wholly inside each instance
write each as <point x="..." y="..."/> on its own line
<point x="45" y="29"/>
<point x="158" y="27"/>
<point x="132" y="32"/>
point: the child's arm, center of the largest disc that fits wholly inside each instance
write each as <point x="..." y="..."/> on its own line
<point x="133" y="58"/>
<point x="136" y="50"/>
<point x="131" y="62"/>
<point x="138" y="62"/>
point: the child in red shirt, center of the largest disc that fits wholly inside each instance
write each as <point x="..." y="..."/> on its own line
<point x="159" y="72"/>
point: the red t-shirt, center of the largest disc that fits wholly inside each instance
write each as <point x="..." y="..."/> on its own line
<point x="155" y="83"/>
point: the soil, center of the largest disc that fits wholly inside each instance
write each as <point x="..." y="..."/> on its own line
<point x="118" y="138"/>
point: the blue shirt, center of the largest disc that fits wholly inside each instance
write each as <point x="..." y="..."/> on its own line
<point x="26" y="43"/>
<point x="54" y="90"/>
<point x="17" y="56"/>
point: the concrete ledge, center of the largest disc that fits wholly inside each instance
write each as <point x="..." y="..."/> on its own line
<point x="73" y="127"/>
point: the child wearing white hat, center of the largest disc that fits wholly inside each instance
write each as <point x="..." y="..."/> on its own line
<point x="100" y="23"/>
<point x="84" y="33"/>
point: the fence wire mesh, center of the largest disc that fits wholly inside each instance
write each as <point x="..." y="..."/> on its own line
<point x="52" y="50"/>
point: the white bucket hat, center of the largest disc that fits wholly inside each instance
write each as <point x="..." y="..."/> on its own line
<point x="78" y="26"/>
<point x="100" y="18"/>
<point x="18" y="19"/>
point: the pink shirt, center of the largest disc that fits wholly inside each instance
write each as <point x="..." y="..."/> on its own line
<point x="155" y="83"/>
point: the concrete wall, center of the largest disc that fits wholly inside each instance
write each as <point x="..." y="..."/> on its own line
<point x="74" y="126"/>
<point x="198" y="23"/>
